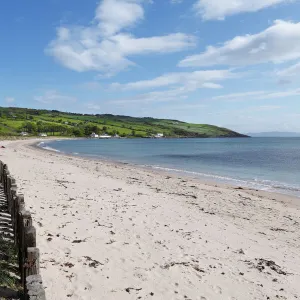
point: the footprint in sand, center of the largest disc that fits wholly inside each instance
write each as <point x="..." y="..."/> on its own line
<point x="217" y="289"/>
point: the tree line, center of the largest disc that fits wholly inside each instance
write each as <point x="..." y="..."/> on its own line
<point x="80" y="131"/>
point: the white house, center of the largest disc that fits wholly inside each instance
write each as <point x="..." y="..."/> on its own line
<point x="159" y="135"/>
<point x="43" y="134"/>
<point x="105" y="136"/>
<point x="24" y="133"/>
<point x="94" y="135"/>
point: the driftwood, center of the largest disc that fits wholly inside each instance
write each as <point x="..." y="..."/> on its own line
<point x="24" y="237"/>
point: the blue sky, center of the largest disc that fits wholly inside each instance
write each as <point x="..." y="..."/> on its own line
<point x="230" y="63"/>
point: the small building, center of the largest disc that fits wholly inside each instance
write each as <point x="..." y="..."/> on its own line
<point x="43" y="134"/>
<point x="105" y="136"/>
<point x="24" y="133"/>
<point x="159" y="135"/>
<point x="94" y="135"/>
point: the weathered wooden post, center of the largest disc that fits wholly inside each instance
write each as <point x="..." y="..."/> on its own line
<point x="33" y="261"/>
<point x="19" y="206"/>
<point x="8" y="192"/>
<point x="35" y="290"/>
<point x="5" y="173"/>
<point x="27" y="238"/>
<point x="30" y="237"/>
<point x="27" y="220"/>
<point x="11" y="185"/>
<point x="29" y="242"/>
<point x="1" y="171"/>
<point x="24" y="237"/>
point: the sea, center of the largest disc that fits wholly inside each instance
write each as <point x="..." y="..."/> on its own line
<point x="270" y="164"/>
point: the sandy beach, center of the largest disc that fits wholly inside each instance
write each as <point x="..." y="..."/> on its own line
<point x="115" y="231"/>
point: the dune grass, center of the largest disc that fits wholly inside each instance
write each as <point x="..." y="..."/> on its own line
<point x="8" y="265"/>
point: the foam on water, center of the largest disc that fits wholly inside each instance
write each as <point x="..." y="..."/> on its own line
<point x="266" y="185"/>
<point x="51" y="149"/>
<point x="45" y="146"/>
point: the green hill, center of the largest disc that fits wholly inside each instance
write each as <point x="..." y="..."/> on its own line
<point x="14" y="120"/>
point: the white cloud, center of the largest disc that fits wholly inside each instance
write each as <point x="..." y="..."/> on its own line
<point x="104" y="46"/>
<point x="129" y="45"/>
<point x="179" y="85"/>
<point x="288" y="73"/>
<point x="280" y="94"/>
<point x="91" y="85"/>
<point x="9" y="100"/>
<point x="115" y="15"/>
<point x="93" y="106"/>
<point x="53" y="96"/>
<point x="179" y="94"/>
<point x="155" y="96"/>
<point x="278" y="43"/>
<point x="267" y="107"/>
<point x="258" y="95"/>
<point x="236" y="96"/>
<point x="219" y="9"/>
<point x="189" y="80"/>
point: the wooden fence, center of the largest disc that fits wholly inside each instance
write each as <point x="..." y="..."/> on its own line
<point x="24" y="238"/>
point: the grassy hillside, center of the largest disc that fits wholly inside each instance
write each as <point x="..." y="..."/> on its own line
<point x="15" y="120"/>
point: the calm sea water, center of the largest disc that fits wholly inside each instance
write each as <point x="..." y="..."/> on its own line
<point x="271" y="164"/>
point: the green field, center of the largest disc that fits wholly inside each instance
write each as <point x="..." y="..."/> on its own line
<point x="15" y="120"/>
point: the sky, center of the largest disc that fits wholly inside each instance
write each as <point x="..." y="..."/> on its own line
<point x="231" y="63"/>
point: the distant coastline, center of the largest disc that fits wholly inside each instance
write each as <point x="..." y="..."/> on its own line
<point x="24" y="122"/>
<point x="274" y="134"/>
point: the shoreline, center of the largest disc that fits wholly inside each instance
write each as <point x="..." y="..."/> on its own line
<point x="119" y="232"/>
<point x="207" y="179"/>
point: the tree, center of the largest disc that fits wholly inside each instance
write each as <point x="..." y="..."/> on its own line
<point x="96" y="129"/>
<point x="89" y="129"/>
<point x="40" y="127"/>
<point x="29" y="127"/>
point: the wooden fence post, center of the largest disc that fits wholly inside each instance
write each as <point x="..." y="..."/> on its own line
<point x="10" y="186"/>
<point x="1" y="171"/>
<point x="29" y="242"/>
<point x="30" y="237"/>
<point x="5" y="174"/>
<point x="8" y="183"/>
<point x="19" y="206"/>
<point x="35" y="290"/>
<point x="32" y="262"/>
<point x="30" y="255"/>
<point x="27" y="237"/>
<point x="24" y="238"/>
<point x="27" y="220"/>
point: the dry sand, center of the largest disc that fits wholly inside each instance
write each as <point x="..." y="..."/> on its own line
<point x="115" y="231"/>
